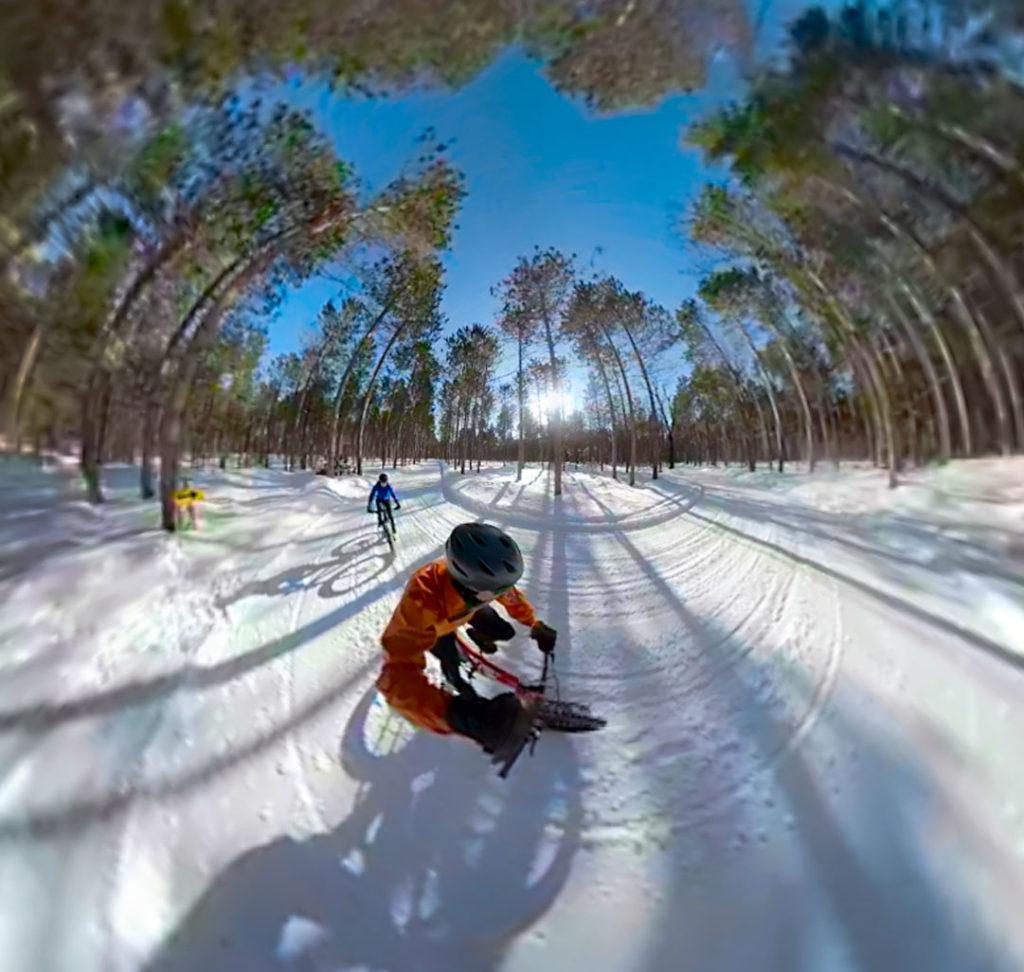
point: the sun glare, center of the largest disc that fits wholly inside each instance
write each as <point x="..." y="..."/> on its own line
<point x="548" y="406"/>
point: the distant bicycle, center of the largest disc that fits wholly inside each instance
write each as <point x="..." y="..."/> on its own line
<point x="382" y="494"/>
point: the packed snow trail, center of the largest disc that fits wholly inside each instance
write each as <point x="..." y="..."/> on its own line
<point x="813" y="689"/>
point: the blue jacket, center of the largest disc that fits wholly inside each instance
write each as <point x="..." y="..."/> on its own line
<point x="386" y="492"/>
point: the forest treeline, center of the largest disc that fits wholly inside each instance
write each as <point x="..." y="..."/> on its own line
<point x="862" y="296"/>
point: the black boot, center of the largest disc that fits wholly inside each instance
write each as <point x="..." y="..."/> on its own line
<point x="490" y="722"/>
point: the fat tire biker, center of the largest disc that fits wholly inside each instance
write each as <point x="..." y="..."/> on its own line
<point x="382" y="493"/>
<point x="481" y="564"/>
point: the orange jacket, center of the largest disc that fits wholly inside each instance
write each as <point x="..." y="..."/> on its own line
<point x="430" y="607"/>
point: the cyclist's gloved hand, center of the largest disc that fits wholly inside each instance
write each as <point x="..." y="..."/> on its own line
<point x="544" y="636"/>
<point x="487" y="721"/>
<point x="368" y="510"/>
<point x="398" y="505"/>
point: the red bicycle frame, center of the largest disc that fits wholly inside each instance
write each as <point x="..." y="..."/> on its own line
<point x="479" y="661"/>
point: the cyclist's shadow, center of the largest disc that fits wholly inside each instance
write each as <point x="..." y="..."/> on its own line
<point x="437" y="867"/>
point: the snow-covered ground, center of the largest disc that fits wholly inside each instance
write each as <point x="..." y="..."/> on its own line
<point x="812" y="762"/>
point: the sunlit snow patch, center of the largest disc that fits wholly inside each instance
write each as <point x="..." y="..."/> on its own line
<point x="354" y="862"/>
<point x="298" y="936"/>
<point x="140" y="912"/>
<point x="385" y="732"/>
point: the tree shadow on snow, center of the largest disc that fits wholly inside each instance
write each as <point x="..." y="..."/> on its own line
<point x="778" y="860"/>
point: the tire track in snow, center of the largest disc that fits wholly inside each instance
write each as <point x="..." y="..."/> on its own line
<point x="723" y="555"/>
<point x="714" y="573"/>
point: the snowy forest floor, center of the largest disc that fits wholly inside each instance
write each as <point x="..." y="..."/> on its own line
<point x="813" y="688"/>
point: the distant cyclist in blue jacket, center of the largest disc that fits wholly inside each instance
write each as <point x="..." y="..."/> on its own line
<point x="383" y="492"/>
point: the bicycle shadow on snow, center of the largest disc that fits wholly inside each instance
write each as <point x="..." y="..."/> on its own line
<point x="438" y="867"/>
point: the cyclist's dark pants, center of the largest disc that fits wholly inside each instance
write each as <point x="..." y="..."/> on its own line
<point x="485" y="628"/>
<point x="384" y="507"/>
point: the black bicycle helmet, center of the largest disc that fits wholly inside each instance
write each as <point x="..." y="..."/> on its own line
<point x="382" y="478"/>
<point x="483" y="558"/>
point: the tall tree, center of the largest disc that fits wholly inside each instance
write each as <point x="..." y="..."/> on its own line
<point x="535" y="295"/>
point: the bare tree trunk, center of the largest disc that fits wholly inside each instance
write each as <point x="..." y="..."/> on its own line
<point x="668" y="421"/>
<point x="611" y="410"/>
<point x="521" y="459"/>
<point x="1013" y="385"/>
<point x="805" y="404"/>
<point x="368" y="395"/>
<point x="28" y="361"/>
<point x="97" y="384"/>
<point x="556" y="386"/>
<point x="898" y="381"/>
<point x="269" y="430"/>
<point x="963" y="314"/>
<point x="879" y="392"/>
<point x="1000" y="270"/>
<point x="650" y="392"/>
<point x="932" y="377"/>
<point x="629" y="400"/>
<point x="339" y="398"/>
<point x="150" y="423"/>
<point x="770" y="389"/>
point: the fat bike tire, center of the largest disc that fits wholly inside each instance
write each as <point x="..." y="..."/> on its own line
<point x="558" y="716"/>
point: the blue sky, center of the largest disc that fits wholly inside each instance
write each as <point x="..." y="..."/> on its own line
<point x="540" y="170"/>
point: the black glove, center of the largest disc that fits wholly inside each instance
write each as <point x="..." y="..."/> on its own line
<point x="398" y="506"/>
<point x="368" y="510"/>
<point x="487" y="721"/>
<point x="544" y="636"/>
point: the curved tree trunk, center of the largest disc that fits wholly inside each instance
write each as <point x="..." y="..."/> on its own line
<point x="880" y="391"/>
<point x="230" y="280"/>
<point x="770" y="389"/>
<point x="21" y="379"/>
<point x="1000" y="271"/>
<point x="650" y="392"/>
<point x="611" y="409"/>
<point x="368" y="395"/>
<point x="984" y="150"/>
<point x="882" y="348"/>
<point x="172" y="420"/>
<point x="339" y="398"/>
<point x="97" y="384"/>
<point x="629" y="401"/>
<point x="1012" y="380"/>
<point x="805" y="405"/>
<point x="825" y="424"/>
<point x="962" y="313"/>
<point x="932" y="377"/>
